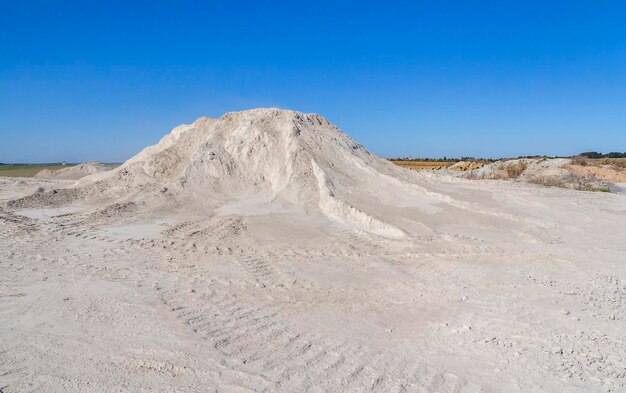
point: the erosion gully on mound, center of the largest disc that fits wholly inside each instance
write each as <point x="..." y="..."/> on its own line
<point x="267" y="251"/>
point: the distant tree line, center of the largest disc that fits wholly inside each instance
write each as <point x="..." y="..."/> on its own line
<point x="594" y="154"/>
<point x="589" y="154"/>
<point x="444" y="159"/>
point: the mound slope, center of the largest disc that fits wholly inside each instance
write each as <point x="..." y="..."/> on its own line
<point x="299" y="160"/>
<point x="74" y="172"/>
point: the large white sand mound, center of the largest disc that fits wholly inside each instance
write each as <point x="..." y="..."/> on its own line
<point x="298" y="160"/>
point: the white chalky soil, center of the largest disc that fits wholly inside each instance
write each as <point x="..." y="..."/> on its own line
<point x="267" y="251"/>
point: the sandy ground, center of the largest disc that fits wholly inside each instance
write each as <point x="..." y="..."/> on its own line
<point x="534" y="300"/>
<point x="265" y="251"/>
<point x="605" y="172"/>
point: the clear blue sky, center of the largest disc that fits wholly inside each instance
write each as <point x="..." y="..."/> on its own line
<point x="82" y="80"/>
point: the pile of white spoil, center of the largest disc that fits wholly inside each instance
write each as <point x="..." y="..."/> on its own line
<point x="266" y="251"/>
<point x="297" y="160"/>
<point x="74" y="172"/>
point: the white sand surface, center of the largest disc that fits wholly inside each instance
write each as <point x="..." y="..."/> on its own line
<point x="266" y="251"/>
<point x="49" y="212"/>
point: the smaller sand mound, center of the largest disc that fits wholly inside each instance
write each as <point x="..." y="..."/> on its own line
<point x="556" y="172"/>
<point x="463" y="166"/>
<point x="75" y="172"/>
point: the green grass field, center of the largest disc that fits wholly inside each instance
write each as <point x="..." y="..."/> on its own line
<point x="26" y="170"/>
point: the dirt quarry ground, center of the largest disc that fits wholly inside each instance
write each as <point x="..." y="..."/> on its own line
<point x="606" y="174"/>
<point x="267" y="251"/>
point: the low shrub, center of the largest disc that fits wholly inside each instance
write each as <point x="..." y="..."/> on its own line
<point x="580" y="160"/>
<point x="515" y="170"/>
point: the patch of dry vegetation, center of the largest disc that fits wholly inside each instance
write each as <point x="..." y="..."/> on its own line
<point x="504" y="172"/>
<point x="607" y="168"/>
<point x="573" y="181"/>
<point x="616" y="163"/>
<point x="580" y="160"/>
<point x="515" y="170"/>
<point x="462" y="165"/>
<point x="423" y="165"/>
